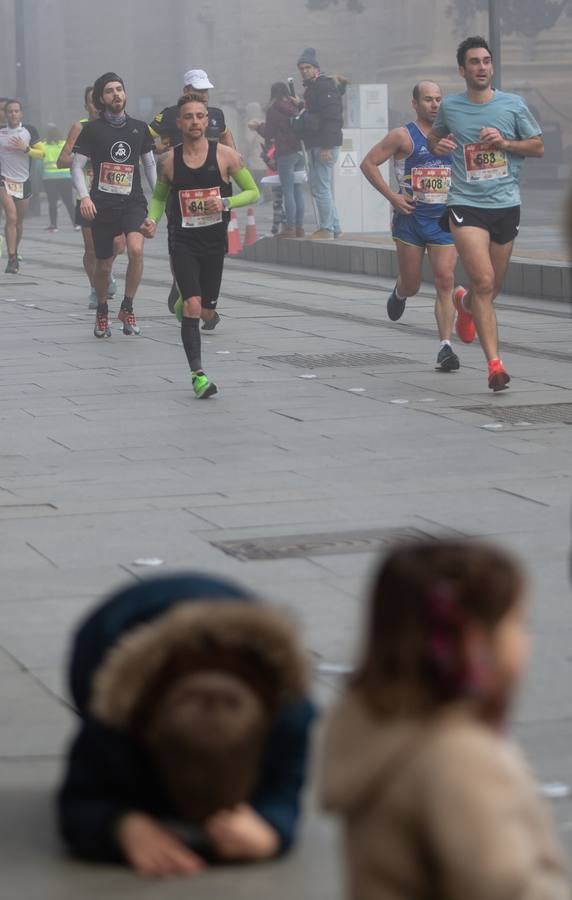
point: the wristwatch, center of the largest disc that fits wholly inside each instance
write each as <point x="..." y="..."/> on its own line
<point x="225" y="203"/>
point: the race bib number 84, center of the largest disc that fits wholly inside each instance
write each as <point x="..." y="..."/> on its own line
<point x="431" y="185"/>
<point x="193" y="211"/>
<point x="115" y="178"/>
<point x="484" y="164"/>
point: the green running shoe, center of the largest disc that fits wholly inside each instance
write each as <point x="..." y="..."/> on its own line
<point x="202" y="387"/>
<point x="178" y="309"/>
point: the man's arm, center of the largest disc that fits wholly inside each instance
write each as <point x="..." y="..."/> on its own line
<point x="150" y="168"/>
<point x="231" y="165"/>
<point x="227" y="139"/>
<point x="396" y="142"/>
<point x="441" y="142"/>
<point x="65" y="157"/>
<point x="87" y="207"/>
<point x="160" y="193"/>
<point x="532" y="146"/>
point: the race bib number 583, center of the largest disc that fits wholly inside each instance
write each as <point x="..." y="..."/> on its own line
<point x="484" y="164"/>
<point x="115" y="178"/>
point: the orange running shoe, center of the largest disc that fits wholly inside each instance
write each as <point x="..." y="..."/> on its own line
<point x="465" y="325"/>
<point x="498" y="375"/>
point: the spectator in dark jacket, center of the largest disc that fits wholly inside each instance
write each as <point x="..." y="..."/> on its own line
<point x="194" y="729"/>
<point x="289" y="159"/>
<point x="321" y="126"/>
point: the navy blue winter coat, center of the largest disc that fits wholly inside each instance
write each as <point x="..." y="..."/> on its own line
<point x="109" y="773"/>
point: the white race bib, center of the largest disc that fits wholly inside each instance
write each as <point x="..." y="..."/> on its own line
<point x="431" y="185"/>
<point x="193" y="212"/>
<point x="14" y="188"/>
<point x="484" y="164"/>
<point x="116" y="178"/>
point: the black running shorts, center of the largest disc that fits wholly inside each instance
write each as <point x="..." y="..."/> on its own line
<point x="197" y="276"/>
<point x="111" y="222"/>
<point x="501" y="224"/>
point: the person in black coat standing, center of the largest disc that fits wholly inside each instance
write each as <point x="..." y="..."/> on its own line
<point x="321" y="128"/>
<point x="194" y="728"/>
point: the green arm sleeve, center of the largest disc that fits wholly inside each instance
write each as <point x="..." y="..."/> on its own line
<point x="158" y="200"/>
<point x="249" y="192"/>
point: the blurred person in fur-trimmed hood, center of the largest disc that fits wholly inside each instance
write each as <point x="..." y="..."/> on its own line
<point x="194" y="729"/>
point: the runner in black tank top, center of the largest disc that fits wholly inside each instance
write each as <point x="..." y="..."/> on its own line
<point x="195" y="179"/>
<point x="204" y="235"/>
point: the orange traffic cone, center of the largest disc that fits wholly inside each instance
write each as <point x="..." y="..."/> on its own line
<point x="234" y="245"/>
<point x="250" y="236"/>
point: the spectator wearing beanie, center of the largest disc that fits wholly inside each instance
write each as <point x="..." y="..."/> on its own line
<point x="321" y="129"/>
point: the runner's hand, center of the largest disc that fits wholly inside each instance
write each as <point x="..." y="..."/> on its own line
<point x="213" y="204"/>
<point x="445" y="146"/>
<point x="403" y="204"/>
<point x="152" y="850"/>
<point x="149" y="228"/>
<point x="17" y="143"/>
<point x="493" y="139"/>
<point x="88" y="209"/>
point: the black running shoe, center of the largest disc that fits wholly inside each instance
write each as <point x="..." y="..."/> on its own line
<point x="447" y="360"/>
<point x="13" y="266"/>
<point x="395" y="306"/>
<point x="211" y="324"/>
<point x="173" y="297"/>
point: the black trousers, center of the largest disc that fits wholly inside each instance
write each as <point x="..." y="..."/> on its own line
<point x="59" y="189"/>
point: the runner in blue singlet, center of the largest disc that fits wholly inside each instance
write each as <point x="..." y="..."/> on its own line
<point x="423" y="180"/>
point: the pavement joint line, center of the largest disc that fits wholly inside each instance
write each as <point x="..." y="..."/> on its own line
<point x="267" y="269"/>
<point x="521" y="496"/>
<point x="26" y="670"/>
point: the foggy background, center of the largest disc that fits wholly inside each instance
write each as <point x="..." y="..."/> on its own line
<point x="245" y="45"/>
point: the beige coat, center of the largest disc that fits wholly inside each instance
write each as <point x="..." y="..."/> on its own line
<point x="445" y="811"/>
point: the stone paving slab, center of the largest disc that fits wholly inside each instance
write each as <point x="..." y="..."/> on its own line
<point x="105" y="457"/>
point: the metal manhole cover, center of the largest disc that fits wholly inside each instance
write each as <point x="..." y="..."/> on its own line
<point x="539" y="414"/>
<point x="292" y="546"/>
<point x="324" y="360"/>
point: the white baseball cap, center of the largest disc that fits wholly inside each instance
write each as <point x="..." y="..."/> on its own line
<point x="198" y="79"/>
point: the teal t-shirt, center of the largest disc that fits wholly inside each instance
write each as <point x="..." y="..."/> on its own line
<point x="481" y="177"/>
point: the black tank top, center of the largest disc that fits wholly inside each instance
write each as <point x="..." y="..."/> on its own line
<point x="188" y="222"/>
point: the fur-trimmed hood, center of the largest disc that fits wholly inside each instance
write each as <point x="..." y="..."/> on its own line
<point x="189" y="636"/>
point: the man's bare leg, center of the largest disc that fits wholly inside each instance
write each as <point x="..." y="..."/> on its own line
<point x="443" y="261"/>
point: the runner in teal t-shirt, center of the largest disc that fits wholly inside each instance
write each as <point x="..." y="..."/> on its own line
<point x="489" y="133"/>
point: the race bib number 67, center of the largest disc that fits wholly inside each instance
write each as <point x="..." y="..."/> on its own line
<point x="484" y="164"/>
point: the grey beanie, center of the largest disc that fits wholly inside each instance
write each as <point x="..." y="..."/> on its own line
<point x="308" y="57"/>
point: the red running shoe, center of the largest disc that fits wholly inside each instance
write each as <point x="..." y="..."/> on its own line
<point x="465" y="325"/>
<point x="130" y="325"/>
<point x="498" y="375"/>
<point x="102" y="329"/>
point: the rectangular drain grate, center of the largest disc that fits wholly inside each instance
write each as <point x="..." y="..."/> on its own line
<point x="334" y="543"/>
<point x="539" y="414"/>
<point x="324" y="360"/>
